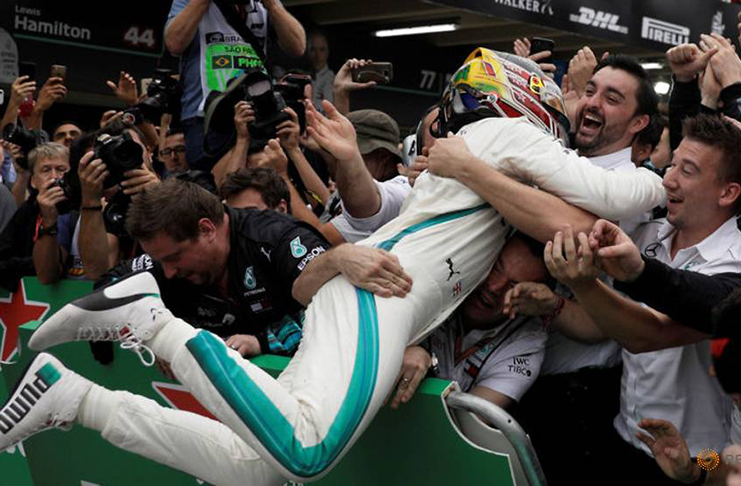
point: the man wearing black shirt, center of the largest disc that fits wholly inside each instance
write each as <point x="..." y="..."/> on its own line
<point x="253" y="308"/>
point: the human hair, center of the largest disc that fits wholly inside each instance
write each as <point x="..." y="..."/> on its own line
<point x="264" y="180"/>
<point x="646" y="97"/>
<point x="651" y="134"/>
<point x="80" y="146"/>
<point x="49" y="150"/>
<point x="174" y="131"/>
<point x="67" y="122"/>
<point x="174" y="208"/>
<point x="723" y="135"/>
<point x="118" y="127"/>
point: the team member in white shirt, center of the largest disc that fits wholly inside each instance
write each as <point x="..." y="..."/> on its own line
<point x="665" y="373"/>
<point x="487" y="353"/>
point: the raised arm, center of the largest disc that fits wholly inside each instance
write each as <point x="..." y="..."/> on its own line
<point x="335" y="134"/>
<point x="540" y="217"/>
<point x="545" y="163"/>
<point x="180" y="31"/>
<point x="291" y="35"/>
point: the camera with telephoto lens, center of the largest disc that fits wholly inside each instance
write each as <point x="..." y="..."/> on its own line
<point x="292" y="87"/>
<point x="255" y="87"/>
<point x="120" y="154"/>
<point x="163" y="96"/>
<point x="27" y="140"/>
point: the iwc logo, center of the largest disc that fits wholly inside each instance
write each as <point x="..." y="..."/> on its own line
<point x="708" y="459"/>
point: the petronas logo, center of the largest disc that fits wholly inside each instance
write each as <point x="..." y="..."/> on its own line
<point x="249" y="278"/>
<point x="297" y="249"/>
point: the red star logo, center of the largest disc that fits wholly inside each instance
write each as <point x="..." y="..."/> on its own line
<point x="15" y="311"/>
<point x="177" y="396"/>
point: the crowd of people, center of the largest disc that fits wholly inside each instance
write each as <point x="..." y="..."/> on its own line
<point x="569" y="253"/>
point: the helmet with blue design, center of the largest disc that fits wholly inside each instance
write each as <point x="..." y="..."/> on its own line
<point x="497" y="84"/>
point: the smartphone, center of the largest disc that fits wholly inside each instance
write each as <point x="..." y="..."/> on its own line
<point x="27" y="69"/>
<point x="2" y="97"/>
<point x="540" y="44"/>
<point x="58" y="71"/>
<point x="380" y="72"/>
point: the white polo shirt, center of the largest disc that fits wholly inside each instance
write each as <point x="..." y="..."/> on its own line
<point x="393" y="192"/>
<point x="674" y="384"/>
<point x="506" y="359"/>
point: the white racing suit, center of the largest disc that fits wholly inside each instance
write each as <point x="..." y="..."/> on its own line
<point x="301" y="424"/>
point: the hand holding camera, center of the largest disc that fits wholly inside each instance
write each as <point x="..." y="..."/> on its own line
<point x="92" y="173"/>
<point x="288" y="131"/>
<point x="244" y="114"/>
<point x="343" y="80"/>
<point x="51" y="193"/>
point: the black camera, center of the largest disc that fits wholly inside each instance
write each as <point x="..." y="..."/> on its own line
<point x="71" y="195"/>
<point x="114" y="214"/>
<point x="292" y="87"/>
<point x="255" y="87"/>
<point x="27" y="140"/>
<point x="163" y="96"/>
<point x="120" y="154"/>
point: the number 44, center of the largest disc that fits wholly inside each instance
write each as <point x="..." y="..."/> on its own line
<point x="136" y="38"/>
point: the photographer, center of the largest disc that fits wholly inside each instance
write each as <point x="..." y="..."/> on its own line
<point x="101" y="241"/>
<point x="30" y="242"/>
<point x="200" y="31"/>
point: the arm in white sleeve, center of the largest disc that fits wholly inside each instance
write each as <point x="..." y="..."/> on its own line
<point x="524" y="152"/>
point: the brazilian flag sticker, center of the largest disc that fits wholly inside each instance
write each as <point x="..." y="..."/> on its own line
<point x="221" y="62"/>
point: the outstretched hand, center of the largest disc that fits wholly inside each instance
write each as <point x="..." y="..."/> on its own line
<point x="125" y="89"/>
<point x="333" y="133"/>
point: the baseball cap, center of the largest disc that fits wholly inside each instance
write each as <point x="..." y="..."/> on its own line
<point x="375" y="129"/>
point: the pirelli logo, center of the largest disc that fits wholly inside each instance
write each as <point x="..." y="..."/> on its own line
<point x="664" y="32"/>
<point x="25" y="398"/>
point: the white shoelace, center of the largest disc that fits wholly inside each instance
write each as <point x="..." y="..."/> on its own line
<point x="114" y="333"/>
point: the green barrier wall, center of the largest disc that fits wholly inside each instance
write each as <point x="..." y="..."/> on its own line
<point x="414" y="445"/>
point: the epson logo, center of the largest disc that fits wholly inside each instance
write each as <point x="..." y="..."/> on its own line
<point x="664" y="32"/>
<point x="313" y="254"/>
<point x="26" y="398"/>
<point x="599" y="19"/>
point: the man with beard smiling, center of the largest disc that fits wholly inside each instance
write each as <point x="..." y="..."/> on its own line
<point x="480" y="347"/>
<point x="617" y="103"/>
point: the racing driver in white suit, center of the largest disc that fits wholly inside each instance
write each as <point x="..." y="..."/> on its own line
<point x="300" y="425"/>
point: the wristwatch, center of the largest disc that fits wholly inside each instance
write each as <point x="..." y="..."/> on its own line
<point x="50" y="231"/>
